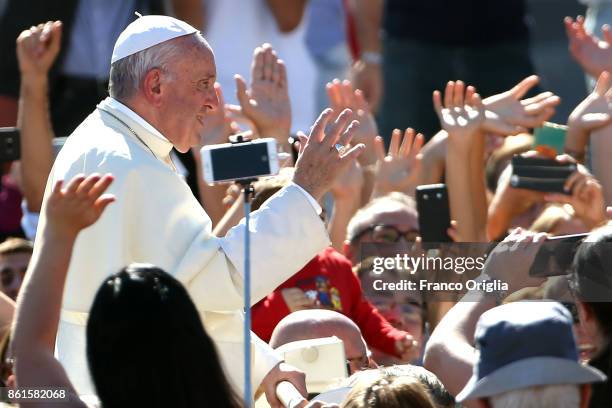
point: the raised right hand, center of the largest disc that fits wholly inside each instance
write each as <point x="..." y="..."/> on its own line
<point x="38" y="47"/>
<point x="320" y="162"/>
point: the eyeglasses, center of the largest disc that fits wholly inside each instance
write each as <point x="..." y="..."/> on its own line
<point x="387" y="234"/>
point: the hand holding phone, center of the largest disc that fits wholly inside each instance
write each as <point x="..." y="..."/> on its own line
<point x="555" y="256"/>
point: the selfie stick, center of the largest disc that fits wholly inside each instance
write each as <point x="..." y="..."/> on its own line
<point x="248" y="191"/>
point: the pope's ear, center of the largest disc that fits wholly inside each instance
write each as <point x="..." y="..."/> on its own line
<point x="152" y="86"/>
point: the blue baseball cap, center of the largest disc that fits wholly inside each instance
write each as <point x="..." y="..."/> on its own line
<point x="525" y="344"/>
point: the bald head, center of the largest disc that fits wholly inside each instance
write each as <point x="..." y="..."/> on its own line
<point x="318" y="323"/>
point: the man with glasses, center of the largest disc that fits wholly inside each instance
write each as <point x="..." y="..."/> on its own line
<point x="387" y="226"/>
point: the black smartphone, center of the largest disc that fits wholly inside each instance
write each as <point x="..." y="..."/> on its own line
<point x="10" y="148"/>
<point x="555" y="256"/>
<point x="434" y="212"/>
<point x="540" y="174"/>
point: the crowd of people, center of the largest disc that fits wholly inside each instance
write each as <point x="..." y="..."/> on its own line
<point x="122" y="269"/>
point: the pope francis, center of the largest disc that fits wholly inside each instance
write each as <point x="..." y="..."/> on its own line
<point x="161" y="86"/>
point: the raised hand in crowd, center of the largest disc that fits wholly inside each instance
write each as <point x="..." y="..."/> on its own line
<point x="266" y="101"/>
<point x="508" y="114"/>
<point x="342" y="96"/>
<point x="323" y="154"/>
<point x="462" y="116"/>
<point x="399" y="169"/>
<point x="37" y="49"/>
<point x="69" y="210"/>
<point x="593" y="54"/>
<point x="590" y="122"/>
<point x="348" y="198"/>
<point x="594" y="112"/>
<point x="586" y="197"/>
<point x="462" y="113"/>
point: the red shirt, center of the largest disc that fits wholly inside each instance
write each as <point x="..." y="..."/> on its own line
<point x="329" y="280"/>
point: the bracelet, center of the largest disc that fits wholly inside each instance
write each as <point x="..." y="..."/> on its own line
<point x="371" y="57"/>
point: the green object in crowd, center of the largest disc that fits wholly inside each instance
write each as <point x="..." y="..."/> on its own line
<point x="551" y="134"/>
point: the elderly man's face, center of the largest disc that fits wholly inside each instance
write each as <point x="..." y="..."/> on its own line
<point x="188" y="95"/>
<point x="394" y="230"/>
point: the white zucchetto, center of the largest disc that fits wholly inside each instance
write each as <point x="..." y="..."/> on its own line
<point x="147" y="31"/>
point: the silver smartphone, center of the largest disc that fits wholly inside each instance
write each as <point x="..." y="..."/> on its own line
<point x="229" y="162"/>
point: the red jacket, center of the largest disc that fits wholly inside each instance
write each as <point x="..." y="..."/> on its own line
<point x="330" y="279"/>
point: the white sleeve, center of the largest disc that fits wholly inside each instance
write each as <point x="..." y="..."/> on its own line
<point x="285" y="235"/>
<point x="29" y="221"/>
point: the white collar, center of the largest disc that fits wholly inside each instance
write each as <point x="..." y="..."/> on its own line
<point x="141" y="129"/>
<point x="115" y="104"/>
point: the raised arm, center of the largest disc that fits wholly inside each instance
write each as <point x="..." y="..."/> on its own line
<point x="346" y="192"/>
<point x="68" y="211"/>
<point x="37" y="49"/>
<point x="266" y="100"/>
<point x="450" y="353"/>
<point x="593" y="113"/>
<point x="367" y="71"/>
<point x="399" y="169"/>
<point x="462" y="116"/>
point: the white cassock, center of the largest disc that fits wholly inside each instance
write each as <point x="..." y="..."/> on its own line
<point x="156" y="219"/>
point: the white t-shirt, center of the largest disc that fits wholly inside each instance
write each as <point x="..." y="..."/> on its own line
<point x="236" y="27"/>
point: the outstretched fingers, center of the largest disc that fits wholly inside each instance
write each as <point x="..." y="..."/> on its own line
<point x="407" y="143"/>
<point x="519" y="90"/>
<point x="335" y="130"/>
<point x="318" y="129"/>
<point x="346" y="137"/>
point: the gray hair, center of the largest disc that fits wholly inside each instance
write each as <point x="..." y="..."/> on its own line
<point x="126" y="74"/>
<point x="394" y="200"/>
<point x="547" y="396"/>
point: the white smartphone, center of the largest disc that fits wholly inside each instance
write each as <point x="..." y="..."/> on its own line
<point x="238" y="161"/>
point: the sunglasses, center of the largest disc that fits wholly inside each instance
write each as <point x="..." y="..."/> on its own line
<point x="387" y="234"/>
